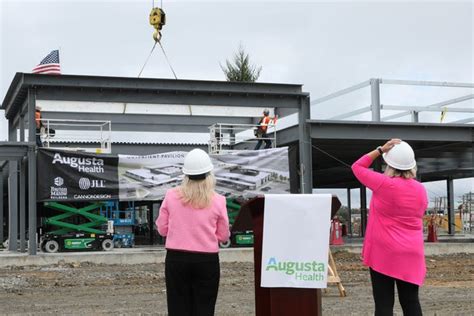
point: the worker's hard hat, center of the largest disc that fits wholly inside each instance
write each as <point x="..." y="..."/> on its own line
<point x="401" y="157"/>
<point x="196" y="163"/>
<point x="266" y="112"/>
<point x="38" y="108"/>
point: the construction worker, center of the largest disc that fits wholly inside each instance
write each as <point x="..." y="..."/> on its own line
<point x="39" y="143"/>
<point x="393" y="246"/>
<point x="261" y="131"/>
<point x="194" y="219"/>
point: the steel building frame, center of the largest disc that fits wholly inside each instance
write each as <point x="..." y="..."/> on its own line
<point x="25" y="89"/>
<point x="376" y="106"/>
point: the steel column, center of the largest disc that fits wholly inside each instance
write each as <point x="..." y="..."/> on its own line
<point x="350" y="211"/>
<point x="32" y="173"/>
<point x="415" y="117"/>
<point x="1" y="204"/>
<point x="375" y="97"/>
<point x="13" y="205"/>
<point x="451" y="222"/>
<point x="21" y="218"/>
<point x="22" y="128"/>
<point x="305" y="150"/>
<point x="363" y="210"/>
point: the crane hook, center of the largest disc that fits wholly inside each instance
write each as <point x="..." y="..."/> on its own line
<point x="157" y="20"/>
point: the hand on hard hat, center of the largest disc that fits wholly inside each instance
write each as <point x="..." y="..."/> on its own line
<point x="390" y="144"/>
<point x="399" y="155"/>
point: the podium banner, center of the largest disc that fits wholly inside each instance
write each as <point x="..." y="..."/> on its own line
<point x="296" y="240"/>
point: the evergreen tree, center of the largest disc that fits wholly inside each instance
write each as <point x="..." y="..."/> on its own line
<point x="240" y="69"/>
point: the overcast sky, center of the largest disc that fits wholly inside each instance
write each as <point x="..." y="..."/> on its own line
<point x="325" y="46"/>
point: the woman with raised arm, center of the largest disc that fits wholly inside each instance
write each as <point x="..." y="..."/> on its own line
<point x="393" y="245"/>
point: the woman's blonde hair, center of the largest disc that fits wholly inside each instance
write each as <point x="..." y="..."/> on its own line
<point x="198" y="193"/>
<point x="405" y="174"/>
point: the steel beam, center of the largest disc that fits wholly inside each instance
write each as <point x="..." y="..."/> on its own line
<point x="341" y="92"/>
<point x="22" y="200"/>
<point x="427" y="83"/>
<point x="124" y="83"/>
<point x="150" y="123"/>
<point x="349" y="207"/>
<point x="10" y="151"/>
<point x="375" y="99"/>
<point x="269" y="100"/>
<point x="32" y="227"/>
<point x="438" y="105"/>
<point x="425" y="109"/>
<point x="32" y="173"/>
<point x="305" y="150"/>
<point x="287" y="136"/>
<point x="13" y="205"/>
<point x="450" y="198"/>
<point x="352" y="113"/>
<point x="395" y="116"/>
<point x="350" y="130"/>
<point x="22" y="128"/>
<point x="2" y="178"/>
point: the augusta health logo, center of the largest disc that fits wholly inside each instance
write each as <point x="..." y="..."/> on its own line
<point x="301" y="270"/>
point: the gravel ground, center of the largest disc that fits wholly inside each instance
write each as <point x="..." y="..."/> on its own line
<point x="86" y="289"/>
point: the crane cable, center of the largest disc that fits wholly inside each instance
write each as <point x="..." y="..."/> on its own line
<point x="158" y="40"/>
<point x="146" y="61"/>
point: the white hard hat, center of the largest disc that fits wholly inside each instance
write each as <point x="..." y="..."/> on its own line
<point x="197" y="162"/>
<point x="401" y="157"/>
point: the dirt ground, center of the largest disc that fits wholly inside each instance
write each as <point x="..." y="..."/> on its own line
<point x="86" y="289"/>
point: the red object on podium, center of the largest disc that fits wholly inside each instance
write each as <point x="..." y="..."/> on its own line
<point x="278" y="301"/>
<point x="336" y="233"/>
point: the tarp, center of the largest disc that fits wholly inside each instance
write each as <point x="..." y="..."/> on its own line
<point x="78" y="176"/>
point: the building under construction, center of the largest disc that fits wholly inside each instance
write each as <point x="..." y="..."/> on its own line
<point x="86" y="111"/>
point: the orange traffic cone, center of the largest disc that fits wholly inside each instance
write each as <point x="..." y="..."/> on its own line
<point x="336" y="233"/>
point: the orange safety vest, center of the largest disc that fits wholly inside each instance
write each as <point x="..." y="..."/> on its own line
<point x="38" y="119"/>
<point x="264" y="121"/>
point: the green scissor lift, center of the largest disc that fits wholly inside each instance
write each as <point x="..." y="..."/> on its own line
<point x="71" y="237"/>
<point x="238" y="238"/>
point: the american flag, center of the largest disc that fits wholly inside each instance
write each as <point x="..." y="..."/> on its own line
<point x="49" y="64"/>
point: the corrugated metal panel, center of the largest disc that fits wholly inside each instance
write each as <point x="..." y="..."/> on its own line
<point x="87" y="137"/>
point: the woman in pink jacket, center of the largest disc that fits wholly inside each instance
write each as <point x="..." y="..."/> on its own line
<point x="193" y="218"/>
<point x="393" y="245"/>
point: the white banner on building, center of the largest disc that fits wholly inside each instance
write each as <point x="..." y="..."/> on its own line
<point x="240" y="173"/>
<point x="296" y="240"/>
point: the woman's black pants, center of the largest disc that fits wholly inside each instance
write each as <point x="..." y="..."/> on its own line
<point x="383" y="288"/>
<point x="192" y="283"/>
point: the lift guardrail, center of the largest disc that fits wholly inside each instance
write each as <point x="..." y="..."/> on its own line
<point x="54" y="133"/>
<point x="224" y="136"/>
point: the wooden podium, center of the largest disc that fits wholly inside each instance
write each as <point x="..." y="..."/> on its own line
<point x="277" y="301"/>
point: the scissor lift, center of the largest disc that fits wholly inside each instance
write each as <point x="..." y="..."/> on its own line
<point x="123" y="219"/>
<point x="69" y="236"/>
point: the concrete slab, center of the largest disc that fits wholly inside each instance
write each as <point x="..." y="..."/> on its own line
<point x="153" y="255"/>
<point x="149" y="255"/>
